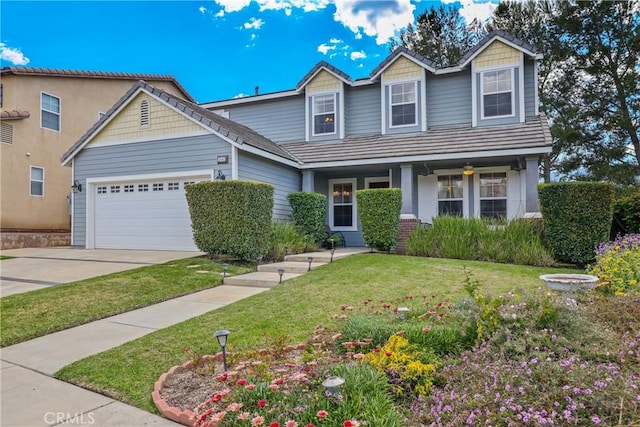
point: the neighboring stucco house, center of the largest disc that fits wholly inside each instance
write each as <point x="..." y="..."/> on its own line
<point x="42" y="113"/>
<point x="462" y="140"/>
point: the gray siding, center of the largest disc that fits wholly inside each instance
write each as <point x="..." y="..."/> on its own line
<point x="172" y="155"/>
<point x="279" y="120"/>
<point x="449" y="99"/>
<point x="529" y="89"/>
<point x="284" y="179"/>
<point x="362" y="110"/>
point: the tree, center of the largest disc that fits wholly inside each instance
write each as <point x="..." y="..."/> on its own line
<point x="441" y="34"/>
<point x="589" y="82"/>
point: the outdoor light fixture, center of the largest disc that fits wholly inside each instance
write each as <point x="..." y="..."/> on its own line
<point x="220" y="176"/>
<point x="333" y="384"/>
<point x="402" y="312"/>
<point x="310" y="260"/>
<point x="332" y="252"/>
<point x="467" y="170"/>
<point x="225" y="266"/>
<point x="76" y="187"/>
<point x="222" y="336"/>
<point x="281" y="272"/>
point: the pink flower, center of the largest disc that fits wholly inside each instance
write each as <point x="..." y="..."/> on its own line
<point x="250" y="386"/>
<point x="291" y="423"/>
<point x="358" y="356"/>
<point x="257" y="421"/>
<point x="322" y="414"/>
<point x="262" y="403"/>
<point x="400" y="333"/>
<point x="278" y="381"/>
<point x="426" y="330"/>
<point x="234" y="407"/>
<point x="309" y="425"/>
<point x="274" y="387"/>
<point x="243" y="416"/>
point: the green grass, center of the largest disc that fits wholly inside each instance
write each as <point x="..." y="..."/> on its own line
<point x="294" y="308"/>
<point x="33" y="314"/>
<point x="5" y="257"/>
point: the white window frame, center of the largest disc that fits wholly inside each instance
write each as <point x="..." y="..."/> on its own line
<point x="512" y="90"/>
<point x="314" y="114"/>
<point x="57" y="113"/>
<point x="476" y="188"/>
<point x="452" y="199"/>
<point x="354" y="206"/>
<point x="415" y="103"/>
<point x="465" y="189"/>
<point x="31" y="179"/>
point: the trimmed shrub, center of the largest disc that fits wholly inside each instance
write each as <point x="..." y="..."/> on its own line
<point x="577" y="217"/>
<point x="287" y="238"/>
<point x="379" y="212"/>
<point x="231" y="217"/>
<point x="626" y="215"/>
<point x="309" y="212"/>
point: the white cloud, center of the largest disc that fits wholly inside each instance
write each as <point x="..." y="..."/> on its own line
<point x="335" y="41"/>
<point x="240" y="95"/>
<point x="232" y="5"/>
<point x="470" y="9"/>
<point x="358" y="55"/>
<point x="12" y="55"/>
<point x="220" y="13"/>
<point x="376" y="19"/>
<point x="253" y="23"/>
<point x="324" y="48"/>
<point x="202" y="9"/>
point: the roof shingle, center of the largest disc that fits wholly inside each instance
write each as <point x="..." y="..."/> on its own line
<point x="14" y="115"/>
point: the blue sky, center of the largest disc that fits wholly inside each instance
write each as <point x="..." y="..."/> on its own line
<point x="217" y="49"/>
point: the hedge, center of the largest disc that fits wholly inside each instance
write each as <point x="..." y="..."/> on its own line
<point x="576" y="217"/>
<point x="379" y="212"/>
<point x="231" y="217"/>
<point x="626" y="214"/>
<point x="309" y="212"/>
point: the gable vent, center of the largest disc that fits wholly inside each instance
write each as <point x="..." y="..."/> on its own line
<point x="6" y="133"/>
<point x="144" y="113"/>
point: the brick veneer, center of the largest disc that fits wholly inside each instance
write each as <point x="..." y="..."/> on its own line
<point x="407" y="226"/>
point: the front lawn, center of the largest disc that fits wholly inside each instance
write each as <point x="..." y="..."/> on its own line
<point x="292" y="311"/>
<point x="37" y="313"/>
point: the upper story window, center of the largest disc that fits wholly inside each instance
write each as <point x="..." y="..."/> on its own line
<point x="403" y="104"/>
<point x="497" y="93"/>
<point x="36" y="181"/>
<point x="324" y="114"/>
<point x="144" y="112"/>
<point x="50" y="112"/>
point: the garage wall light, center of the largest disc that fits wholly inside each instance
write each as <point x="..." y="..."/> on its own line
<point x="220" y="176"/>
<point x="76" y="187"/>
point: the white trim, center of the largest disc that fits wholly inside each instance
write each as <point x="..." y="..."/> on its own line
<point x="521" y="87"/>
<point x="423" y="100"/>
<point x="59" y="113"/>
<point x="341" y="122"/>
<point x="498" y="67"/>
<point x="247" y="99"/>
<point x="390" y="178"/>
<point x="476" y="187"/>
<point x="536" y="82"/>
<point x="503" y="40"/>
<point x="383" y="106"/>
<point x="465" y="189"/>
<point x="91" y="183"/>
<point x="234" y="163"/>
<point x="474" y="96"/>
<point x="313" y="113"/>
<point x="354" y="212"/>
<point x="369" y="180"/>
<point x="305" y="82"/>
<point x="161" y="137"/>
<point x="391" y="105"/>
<point x="307" y="133"/>
<point x="426" y="158"/>
<point x="253" y="150"/>
<point x="73" y="199"/>
<point x="35" y="180"/>
<point x="512" y="91"/>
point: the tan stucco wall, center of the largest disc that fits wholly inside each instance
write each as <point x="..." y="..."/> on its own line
<point x="402" y="68"/>
<point x="162" y="121"/>
<point x="497" y="53"/>
<point x="323" y="82"/>
<point x="80" y="101"/>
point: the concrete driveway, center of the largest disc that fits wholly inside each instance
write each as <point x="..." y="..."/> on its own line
<point x="36" y="268"/>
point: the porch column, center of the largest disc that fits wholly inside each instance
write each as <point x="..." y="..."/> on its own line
<point x="307" y="181"/>
<point x="532" y="204"/>
<point x="406" y="185"/>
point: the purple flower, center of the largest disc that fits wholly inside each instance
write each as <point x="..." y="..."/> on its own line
<point x="595" y="420"/>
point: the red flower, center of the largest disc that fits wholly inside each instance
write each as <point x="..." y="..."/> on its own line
<point x="262" y="403"/>
<point x="309" y="425"/>
<point x="242" y="382"/>
<point x="347" y="423"/>
<point x="274" y="424"/>
<point x="426" y="330"/>
<point x="440" y="314"/>
<point x="250" y="386"/>
<point x="388" y="354"/>
<point x="223" y="377"/>
<point x="400" y="333"/>
<point x="322" y="414"/>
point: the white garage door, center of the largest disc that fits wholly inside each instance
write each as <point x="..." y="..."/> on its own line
<point x="143" y="215"/>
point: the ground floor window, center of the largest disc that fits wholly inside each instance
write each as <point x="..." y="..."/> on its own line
<point x="450" y="195"/>
<point x="342" y="204"/>
<point x="493" y="195"/>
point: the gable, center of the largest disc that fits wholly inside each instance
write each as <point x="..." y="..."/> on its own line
<point x="402" y="68"/>
<point x="497" y="53"/>
<point x="163" y="122"/>
<point x="324" y="82"/>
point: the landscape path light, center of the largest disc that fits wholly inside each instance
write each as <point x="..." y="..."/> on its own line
<point x="402" y="312"/>
<point x="281" y="272"/>
<point x="225" y="267"/>
<point x="333" y="384"/>
<point x="222" y="336"/>
<point x="332" y="252"/>
<point x="310" y="260"/>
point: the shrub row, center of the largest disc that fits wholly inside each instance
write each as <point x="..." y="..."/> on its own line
<point x="626" y="215"/>
<point x="309" y="211"/>
<point x="379" y="214"/>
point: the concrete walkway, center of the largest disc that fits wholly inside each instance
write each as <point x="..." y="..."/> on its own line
<point x="29" y="396"/>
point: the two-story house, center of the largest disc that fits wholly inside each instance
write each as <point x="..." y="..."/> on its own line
<point x="43" y="112"/>
<point x="461" y="140"/>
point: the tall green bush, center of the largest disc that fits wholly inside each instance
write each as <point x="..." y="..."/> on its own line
<point x="309" y="212"/>
<point x="231" y="217"/>
<point x="577" y="217"/>
<point x="626" y="215"/>
<point x="379" y="212"/>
